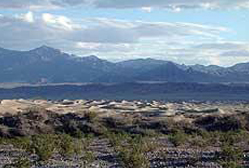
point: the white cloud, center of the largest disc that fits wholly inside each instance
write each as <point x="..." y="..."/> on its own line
<point x="48" y="18"/>
<point x="236" y="53"/>
<point x="214" y="60"/>
<point x="58" y="21"/>
<point x="99" y="47"/>
<point x="30" y="4"/>
<point x="175" y="5"/>
<point x="147" y="9"/>
<point x="28" y="17"/>
<point x="223" y="46"/>
<point x="118" y="39"/>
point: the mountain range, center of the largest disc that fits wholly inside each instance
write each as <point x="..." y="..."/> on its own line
<point x="49" y="65"/>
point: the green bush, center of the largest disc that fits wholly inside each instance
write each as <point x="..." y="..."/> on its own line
<point x="88" y="158"/>
<point x="133" y="157"/>
<point x="20" y="163"/>
<point x="44" y="146"/>
<point x="116" y="139"/>
<point x="230" y="153"/>
<point x="230" y="164"/>
<point x="230" y="156"/>
<point x="132" y="151"/>
<point x="24" y="143"/>
<point x="91" y="116"/>
<point x="67" y="145"/>
<point x="178" y="138"/>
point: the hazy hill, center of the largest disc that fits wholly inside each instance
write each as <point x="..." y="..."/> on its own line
<point x="132" y="91"/>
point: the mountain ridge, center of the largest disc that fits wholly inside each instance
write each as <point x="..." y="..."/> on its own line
<point x="55" y="66"/>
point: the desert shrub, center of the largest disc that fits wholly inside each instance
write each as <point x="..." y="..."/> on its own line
<point x="143" y="144"/>
<point x="178" y="138"/>
<point x="193" y="160"/>
<point x="116" y="139"/>
<point x="44" y="146"/>
<point x="170" y="126"/>
<point x="111" y="122"/>
<point x="230" y="156"/>
<point x="78" y="134"/>
<point x="230" y="164"/>
<point x="21" y="162"/>
<point x="163" y="155"/>
<point x="71" y="127"/>
<point x="88" y="158"/>
<point x="198" y="141"/>
<point x="151" y="133"/>
<point x="21" y="142"/>
<point x="98" y="128"/>
<point x="213" y="137"/>
<point x="133" y="157"/>
<point x="229" y="138"/>
<point x="91" y="115"/>
<point x="88" y="138"/>
<point x="132" y="150"/>
<point x="166" y="126"/>
<point x="79" y="147"/>
<point x="148" y="145"/>
<point x="67" y="145"/>
<point x="2" y="141"/>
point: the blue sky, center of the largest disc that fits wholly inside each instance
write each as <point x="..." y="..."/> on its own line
<point x="190" y="32"/>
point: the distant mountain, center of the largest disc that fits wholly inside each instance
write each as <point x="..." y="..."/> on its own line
<point x="211" y="69"/>
<point x="171" y="72"/>
<point x="49" y="64"/>
<point x="142" y="64"/>
<point x="46" y="64"/>
<point x="243" y="67"/>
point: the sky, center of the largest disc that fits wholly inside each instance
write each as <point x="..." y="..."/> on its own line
<point x="184" y="31"/>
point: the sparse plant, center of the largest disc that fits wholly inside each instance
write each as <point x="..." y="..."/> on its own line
<point x="44" y="146"/>
<point x="67" y="145"/>
<point x="230" y="164"/>
<point x="193" y="160"/>
<point x="133" y="158"/>
<point x="91" y="115"/>
<point x="150" y="133"/>
<point x="22" y="143"/>
<point x="21" y="162"/>
<point x="87" y="159"/>
<point x="230" y="156"/>
<point x="116" y="139"/>
<point x="178" y="138"/>
<point x="132" y="151"/>
<point x="78" y="134"/>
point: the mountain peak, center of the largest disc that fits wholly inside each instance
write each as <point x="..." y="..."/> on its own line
<point x="45" y="48"/>
<point x="91" y="58"/>
<point x="2" y="49"/>
<point x="46" y="53"/>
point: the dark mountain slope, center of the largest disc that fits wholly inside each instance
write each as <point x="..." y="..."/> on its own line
<point x="171" y="73"/>
<point x="133" y="91"/>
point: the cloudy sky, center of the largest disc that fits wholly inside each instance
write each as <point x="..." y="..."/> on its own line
<point x="184" y="31"/>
